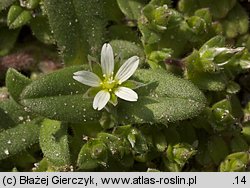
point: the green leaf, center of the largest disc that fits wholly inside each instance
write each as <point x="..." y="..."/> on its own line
<point x="202" y="28"/>
<point x="202" y="157"/>
<point x="140" y="146"/>
<point x="5" y="120"/>
<point x="57" y="90"/>
<point x="169" y="85"/>
<point x="222" y="114"/>
<point x="167" y="99"/>
<point x="204" y="14"/>
<point x="235" y="162"/>
<point x="233" y="87"/>
<point x="244" y="41"/>
<point x="236" y="23"/>
<point x="19" y="138"/>
<point x="113" y="11"/>
<point x="214" y="66"/>
<point x="13" y="114"/>
<point x="80" y="133"/>
<point x="7" y="40"/>
<point x="177" y="156"/>
<point x="27" y="159"/>
<point x="41" y="29"/>
<point x="78" y="27"/>
<point x="238" y="144"/>
<point x="237" y="110"/>
<point x="5" y="3"/>
<point x="42" y="167"/>
<point x="187" y="132"/>
<point x="158" y="110"/>
<point x="217" y="41"/>
<point x="54" y="142"/>
<point x="92" y="155"/>
<point x="161" y="106"/>
<point x="123" y="33"/>
<point x="188" y="7"/>
<point x="207" y="81"/>
<point x="65" y="84"/>
<point x="127" y="49"/>
<point x="119" y="149"/>
<point x="15" y="83"/>
<point x="17" y="17"/>
<point x="217" y="148"/>
<point x="246" y="131"/>
<point x="219" y="9"/>
<point x="30" y="4"/>
<point x="132" y="8"/>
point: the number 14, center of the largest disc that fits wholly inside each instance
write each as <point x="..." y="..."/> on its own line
<point x="240" y="180"/>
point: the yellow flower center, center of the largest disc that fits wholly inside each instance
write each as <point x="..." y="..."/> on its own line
<point x="109" y="83"/>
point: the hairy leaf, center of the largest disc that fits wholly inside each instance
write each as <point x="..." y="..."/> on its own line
<point x="165" y="99"/>
<point x="18" y="139"/>
<point x="17" y="17"/>
<point x="219" y="9"/>
<point x="235" y="162"/>
<point x="13" y="114"/>
<point x="236" y="22"/>
<point x="217" y="149"/>
<point x="5" y="3"/>
<point x="41" y="29"/>
<point x="78" y="27"/>
<point x="127" y="49"/>
<point x="92" y="155"/>
<point x="132" y="8"/>
<point x="15" y="83"/>
<point x="54" y="142"/>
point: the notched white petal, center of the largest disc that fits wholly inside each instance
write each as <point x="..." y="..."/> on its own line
<point x="87" y="78"/>
<point x="101" y="99"/>
<point x="127" y="69"/>
<point x="107" y="59"/>
<point x="80" y="73"/>
<point x="126" y="94"/>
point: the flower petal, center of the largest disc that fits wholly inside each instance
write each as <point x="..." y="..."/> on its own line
<point x="107" y="59"/>
<point x="126" y="94"/>
<point x="87" y="78"/>
<point x="127" y="69"/>
<point x="101" y="99"/>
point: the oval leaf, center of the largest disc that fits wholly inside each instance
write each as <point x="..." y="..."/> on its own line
<point x="132" y="8"/>
<point x="15" y="83"/>
<point x="84" y="20"/>
<point x="54" y="142"/>
<point x="166" y="99"/>
<point x="17" y="17"/>
<point x="18" y="139"/>
<point x="12" y="114"/>
<point x="92" y="155"/>
<point x="5" y="3"/>
<point x="236" y="22"/>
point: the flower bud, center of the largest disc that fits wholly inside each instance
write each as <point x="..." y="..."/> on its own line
<point x="18" y="17"/>
<point x="235" y="162"/>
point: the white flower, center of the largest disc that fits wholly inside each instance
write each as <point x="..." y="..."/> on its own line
<point x="110" y="85"/>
